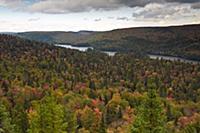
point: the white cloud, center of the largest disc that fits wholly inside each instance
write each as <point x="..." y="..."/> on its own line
<point x="68" y="6"/>
<point x="165" y="12"/>
<point x="14" y="4"/>
<point x="109" y="14"/>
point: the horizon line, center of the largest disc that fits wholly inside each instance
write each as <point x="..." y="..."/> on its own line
<point x="161" y="26"/>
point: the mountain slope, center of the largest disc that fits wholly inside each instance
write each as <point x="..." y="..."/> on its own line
<point x="175" y="40"/>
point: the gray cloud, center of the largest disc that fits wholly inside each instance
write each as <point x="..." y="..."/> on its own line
<point x="110" y="17"/>
<point x="97" y="20"/>
<point x="123" y="18"/>
<point x="33" y="19"/>
<point x="183" y="1"/>
<point x="67" y="6"/>
<point x="165" y="12"/>
<point x="134" y="3"/>
<point x="196" y="5"/>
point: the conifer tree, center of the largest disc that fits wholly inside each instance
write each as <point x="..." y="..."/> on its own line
<point x="20" y="119"/>
<point x="150" y="117"/>
<point x="47" y="116"/>
<point x="102" y="127"/>
<point x="71" y="119"/>
<point x="6" y="125"/>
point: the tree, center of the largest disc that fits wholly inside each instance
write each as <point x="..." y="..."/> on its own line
<point x="6" y="125"/>
<point x="114" y="108"/>
<point x="150" y="117"/>
<point x="193" y="127"/>
<point x="20" y="119"/>
<point x="71" y="119"/>
<point x="102" y="127"/>
<point x="90" y="120"/>
<point x="92" y="85"/>
<point x="47" y="116"/>
<point x="190" y="129"/>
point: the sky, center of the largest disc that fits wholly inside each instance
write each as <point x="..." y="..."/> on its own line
<point x="94" y="15"/>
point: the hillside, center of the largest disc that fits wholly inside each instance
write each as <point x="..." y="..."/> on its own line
<point x="183" y="41"/>
<point x="44" y="88"/>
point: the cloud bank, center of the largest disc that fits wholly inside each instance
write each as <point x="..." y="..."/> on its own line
<point x="68" y="6"/>
<point x="158" y="12"/>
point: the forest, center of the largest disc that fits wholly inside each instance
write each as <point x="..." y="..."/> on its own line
<point x="48" y="89"/>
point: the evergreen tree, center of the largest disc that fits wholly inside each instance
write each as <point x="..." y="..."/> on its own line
<point x="102" y="127"/>
<point x="6" y="125"/>
<point x="47" y="116"/>
<point x="71" y="119"/>
<point x="150" y="117"/>
<point x="20" y="119"/>
<point x="92" y="85"/>
<point x="192" y="128"/>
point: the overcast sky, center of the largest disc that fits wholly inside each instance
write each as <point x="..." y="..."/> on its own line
<point x="96" y="15"/>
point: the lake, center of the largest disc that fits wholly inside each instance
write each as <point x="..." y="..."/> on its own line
<point x="110" y="53"/>
<point x="84" y="49"/>
<point x="172" y="58"/>
<point x="152" y="56"/>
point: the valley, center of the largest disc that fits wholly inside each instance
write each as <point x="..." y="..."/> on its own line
<point x="178" y="41"/>
<point x="99" y="66"/>
<point x="92" y="91"/>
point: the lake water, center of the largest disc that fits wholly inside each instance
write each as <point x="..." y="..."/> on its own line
<point x="110" y="53"/>
<point x="171" y="58"/>
<point x="84" y="49"/>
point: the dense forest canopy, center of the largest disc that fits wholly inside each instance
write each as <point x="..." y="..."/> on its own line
<point x="48" y="89"/>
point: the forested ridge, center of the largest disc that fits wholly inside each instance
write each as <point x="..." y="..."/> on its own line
<point x="48" y="89"/>
<point x="182" y="41"/>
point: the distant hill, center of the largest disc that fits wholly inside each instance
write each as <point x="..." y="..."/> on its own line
<point x="8" y="33"/>
<point x="58" y="36"/>
<point x="183" y="41"/>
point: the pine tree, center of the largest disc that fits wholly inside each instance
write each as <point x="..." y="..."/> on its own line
<point x="102" y="127"/>
<point x="47" y="116"/>
<point x="20" y="119"/>
<point x="150" y="117"/>
<point x="92" y="85"/>
<point x="190" y="129"/>
<point x="193" y="128"/>
<point x="6" y="125"/>
<point x="71" y="119"/>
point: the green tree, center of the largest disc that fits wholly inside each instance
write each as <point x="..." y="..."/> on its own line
<point x="102" y="127"/>
<point x="193" y="128"/>
<point x="6" y="125"/>
<point x="190" y="129"/>
<point x="20" y="119"/>
<point x="150" y="117"/>
<point x="47" y="116"/>
<point x="71" y="119"/>
<point x="92" y="85"/>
